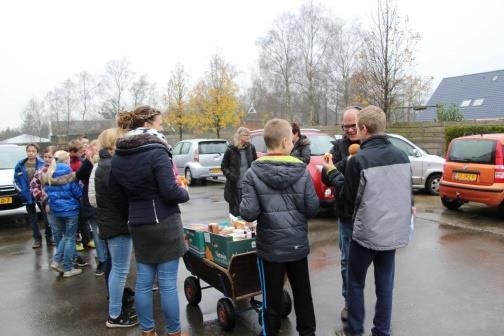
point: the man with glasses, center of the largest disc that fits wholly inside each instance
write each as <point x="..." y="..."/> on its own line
<point x="340" y="155"/>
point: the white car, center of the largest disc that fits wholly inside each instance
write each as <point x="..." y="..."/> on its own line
<point x="427" y="168"/>
<point x="9" y="195"/>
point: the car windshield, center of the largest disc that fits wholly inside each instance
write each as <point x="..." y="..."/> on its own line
<point x="473" y="151"/>
<point x="10" y="155"/>
<point x="212" y="147"/>
<point x="320" y="143"/>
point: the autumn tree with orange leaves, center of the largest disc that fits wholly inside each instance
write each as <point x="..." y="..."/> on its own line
<point x="214" y="100"/>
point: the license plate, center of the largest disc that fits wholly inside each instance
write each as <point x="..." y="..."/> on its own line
<point x="466" y="177"/>
<point x="5" y="200"/>
<point x="216" y="171"/>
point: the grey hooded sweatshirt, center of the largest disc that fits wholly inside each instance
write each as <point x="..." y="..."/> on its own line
<point x="278" y="192"/>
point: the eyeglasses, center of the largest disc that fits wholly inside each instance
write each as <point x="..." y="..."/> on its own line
<point x="348" y="127"/>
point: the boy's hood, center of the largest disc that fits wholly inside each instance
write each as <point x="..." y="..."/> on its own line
<point x="278" y="172"/>
<point x="62" y="169"/>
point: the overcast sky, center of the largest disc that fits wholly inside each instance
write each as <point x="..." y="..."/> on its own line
<point x="44" y="42"/>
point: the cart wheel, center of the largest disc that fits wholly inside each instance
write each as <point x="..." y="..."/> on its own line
<point x="286" y="304"/>
<point x="192" y="290"/>
<point x="226" y="314"/>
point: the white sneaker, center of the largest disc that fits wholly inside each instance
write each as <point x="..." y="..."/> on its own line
<point x="72" y="272"/>
<point x="56" y="266"/>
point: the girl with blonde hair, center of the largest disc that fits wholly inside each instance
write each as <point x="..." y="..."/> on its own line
<point x="64" y="202"/>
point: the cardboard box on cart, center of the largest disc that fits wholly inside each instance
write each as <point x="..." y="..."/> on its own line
<point x="220" y="249"/>
<point x="196" y="241"/>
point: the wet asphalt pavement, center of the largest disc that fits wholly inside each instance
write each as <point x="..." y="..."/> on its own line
<point x="449" y="281"/>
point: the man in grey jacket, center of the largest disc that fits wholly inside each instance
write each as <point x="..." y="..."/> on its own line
<point x="279" y="193"/>
<point x="377" y="193"/>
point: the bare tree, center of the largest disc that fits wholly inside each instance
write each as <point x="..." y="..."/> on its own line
<point x="139" y="90"/>
<point x="176" y="99"/>
<point x="341" y="63"/>
<point x="116" y="81"/>
<point x="68" y="92"/>
<point x="87" y="86"/>
<point x="33" y="118"/>
<point x="313" y="42"/>
<point x="387" y="55"/>
<point x="54" y="103"/>
<point x="278" y="56"/>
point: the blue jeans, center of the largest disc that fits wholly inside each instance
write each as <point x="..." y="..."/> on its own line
<point x="384" y="270"/>
<point x="120" y="254"/>
<point x="167" y="277"/>
<point x="65" y="251"/>
<point x="345" y="237"/>
<point x="101" y="251"/>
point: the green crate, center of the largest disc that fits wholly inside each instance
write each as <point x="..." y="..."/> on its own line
<point x="196" y="241"/>
<point x="220" y="249"/>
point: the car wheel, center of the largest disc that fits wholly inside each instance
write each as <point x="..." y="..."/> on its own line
<point x="432" y="185"/>
<point x="451" y="204"/>
<point x="189" y="177"/>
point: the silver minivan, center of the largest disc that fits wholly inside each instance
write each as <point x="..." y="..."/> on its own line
<point x="199" y="159"/>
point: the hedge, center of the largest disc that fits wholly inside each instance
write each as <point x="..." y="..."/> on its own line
<point x="453" y="132"/>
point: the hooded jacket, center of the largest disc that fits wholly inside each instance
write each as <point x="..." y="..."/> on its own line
<point x="64" y="200"/>
<point x="301" y="149"/>
<point x="110" y="221"/>
<point x="21" y="179"/>
<point x="377" y="195"/>
<point x="278" y="192"/>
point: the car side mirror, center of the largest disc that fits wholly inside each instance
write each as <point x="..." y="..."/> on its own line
<point x="416" y="153"/>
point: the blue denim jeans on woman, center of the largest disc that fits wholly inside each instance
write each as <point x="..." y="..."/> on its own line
<point x="67" y="227"/>
<point x="167" y="277"/>
<point x="120" y="254"/>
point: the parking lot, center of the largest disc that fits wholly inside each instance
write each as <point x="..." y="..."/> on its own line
<point x="449" y="281"/>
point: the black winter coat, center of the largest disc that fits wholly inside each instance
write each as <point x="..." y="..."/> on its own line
<point x="301" y="149"/>
<point x="142" y="177"/>
<point x="340" y="152"/>
<point x="339" y="157"/>
<point x="110" y="221"/>
<point x="278" y="192"/>
<point x="230" y="166"/>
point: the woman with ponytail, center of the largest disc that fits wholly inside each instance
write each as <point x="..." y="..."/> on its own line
<point x="146" y="191"/>
<point x="64" y="202"/>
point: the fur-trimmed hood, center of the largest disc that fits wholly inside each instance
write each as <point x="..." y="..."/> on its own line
<point x="138" y="143"/>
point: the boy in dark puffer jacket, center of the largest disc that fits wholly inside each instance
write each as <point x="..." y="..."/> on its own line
<point x="279" y="193"/>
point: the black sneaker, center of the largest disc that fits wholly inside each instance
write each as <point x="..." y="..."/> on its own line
<point x="100" y="269"/>
<point x="122" y="321"/>
<point x="50" y="242"/>
<point x="79" y="261"/>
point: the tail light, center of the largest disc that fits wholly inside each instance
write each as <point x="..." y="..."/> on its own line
<point x="499" y="164"/>
<point x="196" y="155"/>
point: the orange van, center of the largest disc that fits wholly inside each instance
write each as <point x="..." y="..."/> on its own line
<point x="474" y="172"/>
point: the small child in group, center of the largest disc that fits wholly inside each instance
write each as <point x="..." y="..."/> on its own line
<point x="278" y="192"/>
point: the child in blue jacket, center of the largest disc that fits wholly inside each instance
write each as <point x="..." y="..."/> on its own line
<point x="64" y="202"/>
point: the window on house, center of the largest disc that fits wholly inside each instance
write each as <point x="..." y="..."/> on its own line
<point x="478" y="102"/>
<point x="465" y="103"/>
